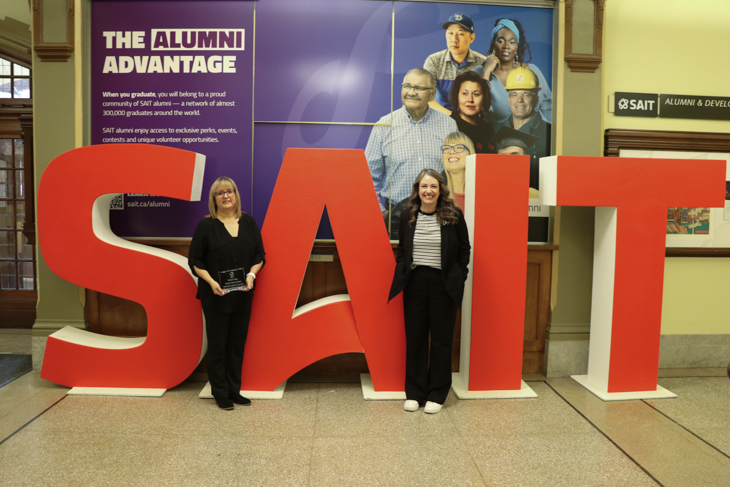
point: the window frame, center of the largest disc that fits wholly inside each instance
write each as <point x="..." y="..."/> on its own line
<point x="14" y="65"/>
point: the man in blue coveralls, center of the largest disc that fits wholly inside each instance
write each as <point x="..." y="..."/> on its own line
<point x="446" y="65"/>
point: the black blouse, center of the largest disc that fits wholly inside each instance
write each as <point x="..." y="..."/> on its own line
<point x="214" y="249"/>
<point x="481" y="135"/>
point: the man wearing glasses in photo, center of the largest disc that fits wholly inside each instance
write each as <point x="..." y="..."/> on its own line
<point x="408" y="141"/>
<point x="522" y="87"/>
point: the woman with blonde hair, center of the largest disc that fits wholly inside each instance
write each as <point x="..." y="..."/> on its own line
<point x="226" y="254"/>
<point x="453" y="154"/>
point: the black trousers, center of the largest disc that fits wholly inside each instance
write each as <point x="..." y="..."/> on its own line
<point x="226" y="334"/>
<point x="428" y="308"/>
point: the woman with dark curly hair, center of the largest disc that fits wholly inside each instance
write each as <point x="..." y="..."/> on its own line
<point x="470" y="101"/>
<point x="431" y="267"/>
<point x="509" y="50"/>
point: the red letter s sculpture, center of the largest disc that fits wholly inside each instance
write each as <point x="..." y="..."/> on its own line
<point x="77" y="244"/>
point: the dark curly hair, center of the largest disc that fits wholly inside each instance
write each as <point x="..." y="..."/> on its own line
<point x="446" y="213"/>
<point x="486" y="93"/>
<point x="523" y="48"/>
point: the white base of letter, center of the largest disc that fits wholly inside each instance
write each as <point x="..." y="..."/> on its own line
<point x="370" y="394"/>
<point x="115" y="391"/>
<point x="659" y="393"/>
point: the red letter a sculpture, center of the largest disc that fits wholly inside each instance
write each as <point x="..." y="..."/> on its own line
<point x="282" y="340"/>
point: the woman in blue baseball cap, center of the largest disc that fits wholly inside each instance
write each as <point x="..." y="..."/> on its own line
<point x="509" y="50"/>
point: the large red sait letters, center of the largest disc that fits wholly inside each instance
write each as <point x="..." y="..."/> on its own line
<point x="499" y="266"/>
<point x="282" y="341"/>
<point x="89" y="255"/>
<point x="641" y="190"/>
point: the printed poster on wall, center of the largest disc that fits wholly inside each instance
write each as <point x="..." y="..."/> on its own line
<point x="328" y="74"/>
<point x="177" y="74"/>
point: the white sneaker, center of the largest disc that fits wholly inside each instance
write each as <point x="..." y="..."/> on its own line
<point x="411" y="405"/>
<point x="432" y="407"/>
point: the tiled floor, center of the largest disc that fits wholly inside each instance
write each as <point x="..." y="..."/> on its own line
<point x="326" y="434"/>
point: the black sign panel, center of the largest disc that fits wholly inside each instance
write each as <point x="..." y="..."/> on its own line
<point x="636" y="104"/>
<point x="697" y="107"/>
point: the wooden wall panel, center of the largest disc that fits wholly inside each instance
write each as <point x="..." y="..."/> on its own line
<point x="110" y="315"/>
<point x="17" y="309"/>
<point x="537" y="309"/>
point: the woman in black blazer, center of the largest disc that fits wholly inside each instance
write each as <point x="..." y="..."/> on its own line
<point x="226" y="254"/>
<point x="431" y="267"/>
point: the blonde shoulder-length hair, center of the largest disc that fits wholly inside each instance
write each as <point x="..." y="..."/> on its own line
<point x="452" y="139"/>
<point x="219" y="184"/>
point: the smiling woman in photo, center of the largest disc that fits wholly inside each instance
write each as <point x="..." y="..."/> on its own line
<point x="509" y="50"/>
<point x="454" y="151"/>
<point x="471" y="99"/>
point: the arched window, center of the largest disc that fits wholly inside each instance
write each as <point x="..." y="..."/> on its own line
<point x="14" y="80"/>
<point x="17" y="226"/>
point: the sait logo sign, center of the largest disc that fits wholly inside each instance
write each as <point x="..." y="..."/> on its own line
<point x="636" y="104"/>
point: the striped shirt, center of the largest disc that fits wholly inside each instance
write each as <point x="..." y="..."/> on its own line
<point x="427" y="241"/>
<point x="398" y="153"/>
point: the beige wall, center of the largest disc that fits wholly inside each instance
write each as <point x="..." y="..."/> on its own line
<point x="54" y="112"/>
<point x="674" y="47"/>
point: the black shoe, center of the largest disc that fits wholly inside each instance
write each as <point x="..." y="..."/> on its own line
<point x="240" y="400"/>
<point x="225" y="404"/>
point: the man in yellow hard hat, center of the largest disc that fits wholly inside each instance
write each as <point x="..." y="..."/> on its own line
<point x="523" y="87"/>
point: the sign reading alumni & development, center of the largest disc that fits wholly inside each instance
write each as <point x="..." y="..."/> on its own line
<point x="671" y="106"/>
<point x="697" y="107"/>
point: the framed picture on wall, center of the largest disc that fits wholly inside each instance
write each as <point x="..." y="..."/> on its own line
<point x="690" y="231"/>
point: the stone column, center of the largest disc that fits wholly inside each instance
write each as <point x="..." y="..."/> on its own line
<point x="579" y="132"/>
<point x="54" y="100"/>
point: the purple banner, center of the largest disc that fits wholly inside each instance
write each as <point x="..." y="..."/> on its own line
<point x="328" y="62"/>
<point x="177" y="74"/>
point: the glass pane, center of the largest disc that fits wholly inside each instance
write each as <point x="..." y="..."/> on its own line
<point x="21" y="88"/>
<point x="19" y="189"/>
<point x="25" y="250"/>
<point x="19" y="151"/>
<point x="19" y="214"/>
<point x="26" y="279"/>
<point x="7" y="219"/>
<point x="7" y="245"/>
<point x="20" y="70"/>
<point x="6" y="184"/>
<point x="7" y="275"/>
<point x="5" y="84"/>
<point x="6" y="152"/>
